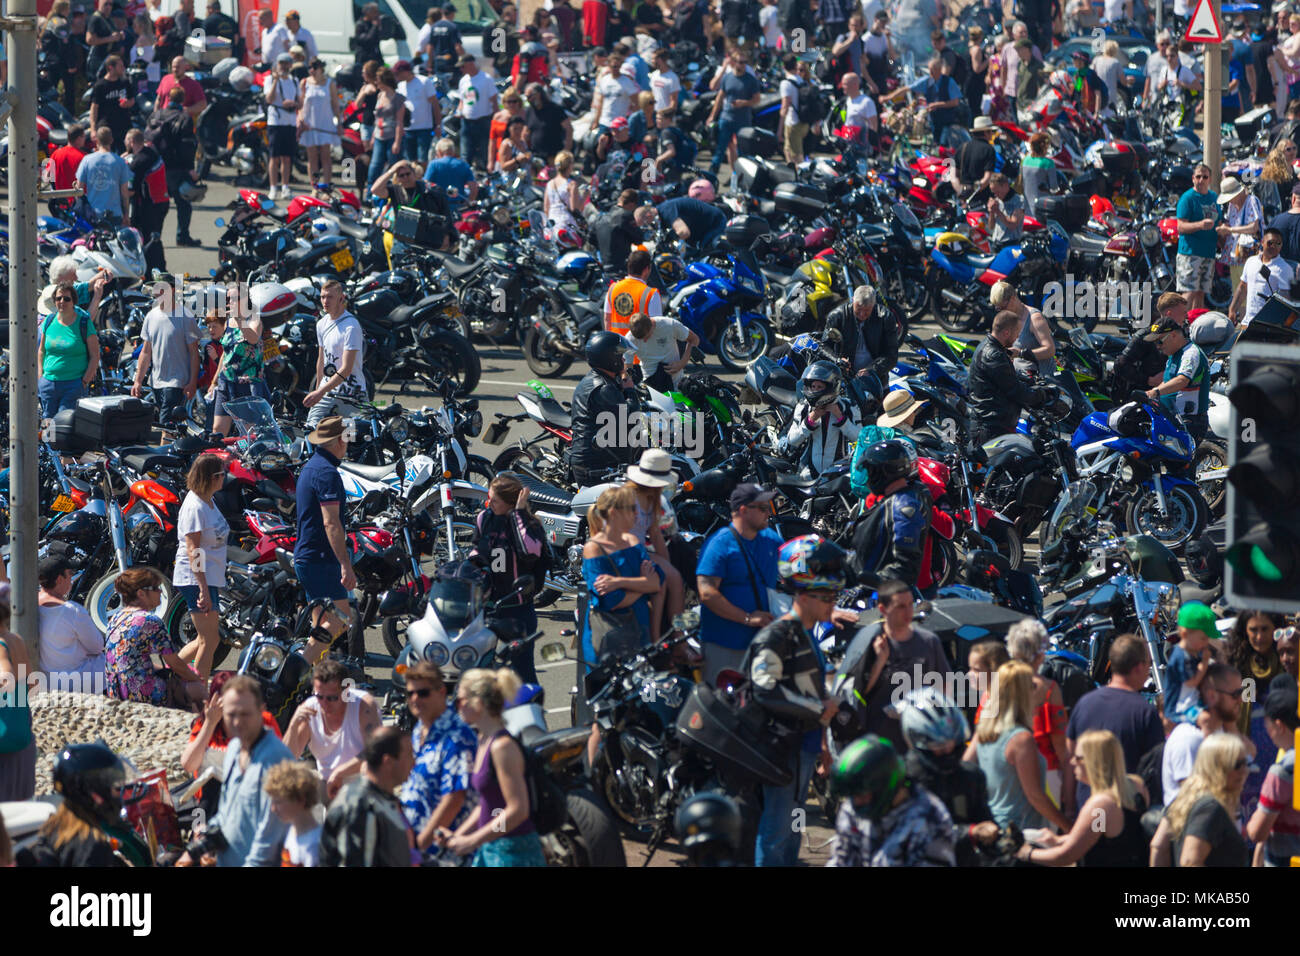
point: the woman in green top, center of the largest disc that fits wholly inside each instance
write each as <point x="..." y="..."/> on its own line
<point x="68" y="354"/>
<point x="240" y="374"/>
<point x="1038" y="173"/>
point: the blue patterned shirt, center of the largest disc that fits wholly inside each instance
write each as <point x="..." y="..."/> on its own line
<point x="918" y="832"/>
<point x="443" y="765"/>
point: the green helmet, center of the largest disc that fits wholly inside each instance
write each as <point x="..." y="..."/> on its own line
<point x="870" y="765"/>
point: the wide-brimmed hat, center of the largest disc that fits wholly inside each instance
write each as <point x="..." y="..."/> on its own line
<point x="898" y="405"/>
<point x="655" y="469"/>
<point x="984" y="124"/>
<point x="329" y="430"/>
<point x="1229" y="188"/>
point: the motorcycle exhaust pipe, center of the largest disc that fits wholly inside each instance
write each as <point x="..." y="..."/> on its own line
<point x="953" y="296"/>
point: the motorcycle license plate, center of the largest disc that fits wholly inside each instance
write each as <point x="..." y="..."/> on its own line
<point x="63" y="503"/>
<point x="342" y="260"/>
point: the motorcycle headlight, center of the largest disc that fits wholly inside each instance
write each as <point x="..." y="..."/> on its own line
<point x="437" y="653"/>
<point x="269" y="658"/>
<point x="752" y="286"/>
<point x="465" y="658"/>
<point x="917" y="243"/>
<point x="1174" y="443"/>
<point x="273" y="461"/>
<point x="399" y="429"/>
<point x="474" y="424"/>
<point x="1126" y="473"/>
<point x="1149" y="235"/>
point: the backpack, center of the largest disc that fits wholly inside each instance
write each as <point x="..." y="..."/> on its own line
<point x="547" y="807"/>
<point x="810" y="107"/>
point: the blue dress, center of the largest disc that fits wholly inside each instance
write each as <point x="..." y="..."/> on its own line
<point x="626" y="564"/>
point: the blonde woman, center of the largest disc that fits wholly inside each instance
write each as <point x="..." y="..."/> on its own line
<point x="1004" y="748"/>
<point x="1200" y="827"/>
<point x="648" y="479"/>
<point x="1278" y="178"/>
<point x="562" y="199"/>
<point x="1027" y="643"/>
<point x="618" y="570"/>
<point x="1108" y="830"/>
<point x="502" y="832"/>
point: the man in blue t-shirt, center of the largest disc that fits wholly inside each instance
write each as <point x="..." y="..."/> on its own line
<point x="733" y="108"/>
<point x="1198" y="240"/>
<point x="942" y="98"/>
<point x="453" y="174"/>
<point x="1120" y="708"/>
<point x="321" y="559"/>
<point x="736" y="568"/>
<point x="693" y="220"/>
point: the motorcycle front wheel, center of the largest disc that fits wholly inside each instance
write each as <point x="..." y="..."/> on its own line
<point x="1211" y="455"/>
<point x="452" y="358"/>
<point x="103" y="601"/>
<point x="909" y="294"/>
<point x="739" y="350"/>
<point x="588" y="836"/>
<point x="181" y="630"/>
<point x="1186" y="518"/>
<point x="954" y="317"/>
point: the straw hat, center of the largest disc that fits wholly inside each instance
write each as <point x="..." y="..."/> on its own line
<point x="899" y="404"/>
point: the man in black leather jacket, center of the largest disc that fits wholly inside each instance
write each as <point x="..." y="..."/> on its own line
<point x="369" y="32"/>
<point x="868" y="336"/>
<point x="997" y="393"/>
<point x="602" y="411"/>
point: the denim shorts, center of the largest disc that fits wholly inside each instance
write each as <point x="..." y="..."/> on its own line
<point x="191" y="594"/>
<point x="320" y="579"/>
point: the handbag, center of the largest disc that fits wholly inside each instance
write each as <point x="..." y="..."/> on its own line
<point x="613" y="632"/>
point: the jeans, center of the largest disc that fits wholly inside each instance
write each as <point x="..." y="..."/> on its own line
<point x="727" y="129"/>
<point x="56" y="396"/>
<point x="522" y="661"/>
<point x="778" y="838"/>
<point x="184" y="208"/>
<point x="171" y="405"/>
<point x="416" y="144"/>
<point x="380" y="159"/>
<point x="474" y="136"/>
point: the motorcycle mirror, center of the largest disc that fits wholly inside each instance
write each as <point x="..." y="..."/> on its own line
<point x="567" y="632"/>
<point x="523" y="583"/>
<point x="220" y="222"/>
<point x="553" y="653"/>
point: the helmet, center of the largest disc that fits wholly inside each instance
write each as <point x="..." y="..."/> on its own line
<point x="1127" y="420"/>
<point x="192" y="192"/>
<point x="241" y="79"/>
<point x="810" y="563"/>
<point x="870" y="766"/>
<point x="887" y="461"/>
<point x="702" y="190"/>
<point x="931" y="720"/>
<point x="1204" y="561"/>
<point x="709" y="823"/>
<point x="820" y="384"/>
<point x="1101" y="206"/>
<point x="670" y="268"/>
<point x="221" y="72"/>
<point x="85" y="771"/>
<point x="1152" y="561"/>
<point x="605" y="351"/>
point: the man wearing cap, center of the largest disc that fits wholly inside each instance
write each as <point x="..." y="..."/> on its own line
<point x="1221" y="699"/>
<point x="426" y="114"/>
<point x="1288" y="224"/>
<point x="300" y="35"/>
<point x="736" y="571"/>
<point x="275" y="39"/>
<point x="478" y="101"/>
<point x="281" y="94"/>
<point x="1185" y="389"/>
<point x="1264" y="275"/>
<point x="321" y="560"/>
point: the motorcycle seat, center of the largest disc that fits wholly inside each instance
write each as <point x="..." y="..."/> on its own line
<point x="459" y="268"/>
<point x="372" y="472"/>
<point x="981" y="260"/>
<point x="1191" y="591"/>
<point x="782" y="396"/>
<point x="353" y="229"/>
<point x="1088" y="243"/>
<point x="239" y="556"/>
<point x="555" y="413"/>
<point x="152" y="461"/>
<point x="401" y="315"/>
<point x="545" y="494"/>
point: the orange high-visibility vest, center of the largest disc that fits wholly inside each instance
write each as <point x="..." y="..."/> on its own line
<point x="627" y="297"/>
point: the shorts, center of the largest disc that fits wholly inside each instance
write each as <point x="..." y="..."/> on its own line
<point x="191" y="594"/>
<point x="320" y="579"/>
<point x="794" y="139"/>
<point x="1195" y="273"/>
<point x="228" y="391"/>
<point x="284" y="140"/>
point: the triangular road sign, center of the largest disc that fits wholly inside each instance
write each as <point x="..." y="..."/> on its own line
<point x="1204" y="27"/>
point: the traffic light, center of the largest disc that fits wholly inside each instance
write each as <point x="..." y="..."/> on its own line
<point x="1263" y="557"/>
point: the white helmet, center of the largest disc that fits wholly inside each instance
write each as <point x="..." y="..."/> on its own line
<point x="240" y="79"/>
<point x="221" y="72"/>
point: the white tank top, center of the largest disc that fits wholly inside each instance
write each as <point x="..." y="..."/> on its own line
<point x="331" y="750"/>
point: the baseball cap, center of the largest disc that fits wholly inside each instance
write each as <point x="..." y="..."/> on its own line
<point x="619" y="122"/>
<point x="292" y="15"/>
<point x="401" y="65"/>
<point x="750" y="494"/>
<point x="53" y="562"/>
<point x="1159" y="328"/>
<point x="1295" y="190"/>
<point x="284" y="58"/>
<point x="1081" y="55"/>
<point x="1196" y="616"/>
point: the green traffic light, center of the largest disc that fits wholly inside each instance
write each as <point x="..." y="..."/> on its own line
<point x="1262" y="566"/>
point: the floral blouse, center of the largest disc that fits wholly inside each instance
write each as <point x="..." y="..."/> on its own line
<point x="243" y="359"/>
<point x="133" y="635"/>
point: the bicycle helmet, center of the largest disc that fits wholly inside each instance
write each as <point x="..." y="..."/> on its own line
<point x="930" y="720"/>
<point x="90" y="778"/>
<point x="886" y="462"/>
<point x="605" y="352"/>
<point x="870" y="767"/>
<point x="820" y="384"/>
<point x="1152" y="561"/>
<point x="810" y="562"/>
<point x="709" y="826"/>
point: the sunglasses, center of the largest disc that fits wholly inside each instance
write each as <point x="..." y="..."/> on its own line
<point x="63" y="298"/>
<point x="1232" y="693"/>
<point x="331" y="698"/>
<point x="422" y="693"/>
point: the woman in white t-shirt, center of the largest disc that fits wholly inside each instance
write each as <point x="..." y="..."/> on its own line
<point x="145" y="50"/>
<point x="201" y="559"/>
<point x="71" y="648"/>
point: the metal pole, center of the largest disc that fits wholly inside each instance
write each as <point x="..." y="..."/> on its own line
<point x="1211" y="136"/>
<point x="1160" y="15"/>
<point x="24" y="183"/>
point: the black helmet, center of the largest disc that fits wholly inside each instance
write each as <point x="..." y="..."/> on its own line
<point x="84" y="771"/>
<point x="708" y="826"/>
<point x="820" y="384"/>
<point x="1204" y="562"/>
<point x="887" y="461"/>
<point x="605" y="351"/>
<point x="870" y="766"/>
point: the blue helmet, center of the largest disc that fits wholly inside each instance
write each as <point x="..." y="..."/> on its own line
<point x="810" y="563"/>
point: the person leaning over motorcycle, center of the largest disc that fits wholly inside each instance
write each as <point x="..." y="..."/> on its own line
<point x="823" y="422"/>
<point x="936" y="733"/>
<point x="997" y="393"/>
<point x="87" y="827"/>
<point x="1035" y="342"/>
<point x="597" y="443"/>
<point x="787" y="680"/>
<point x="891" y="542"/>
<point x="886" y="819"/>
<point x="1184" y="388"/>
<point x="868" y="336"/>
